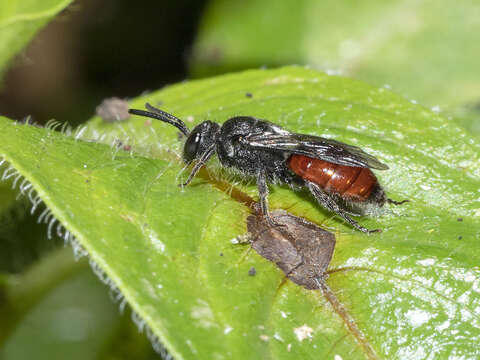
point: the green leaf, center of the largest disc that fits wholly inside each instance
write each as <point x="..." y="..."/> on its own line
<point x="7" y="196"/>
<point x="19" y="293"/>
<point x="412" y="291"/>
<point x="20" y="241"/>
<point x="426" y="50"/>
<point x="72" y="321"/>
<point x="19" y="22"/>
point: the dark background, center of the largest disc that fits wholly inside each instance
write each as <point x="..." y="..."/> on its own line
<point x="69" y="64"/>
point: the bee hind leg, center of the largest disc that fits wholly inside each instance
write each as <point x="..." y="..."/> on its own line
<point x="325" y="200"/>
<point x="263" y="194"/>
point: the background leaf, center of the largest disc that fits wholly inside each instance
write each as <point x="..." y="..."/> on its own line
<point x="77" y="331"/>
<point x="412" y="290"/>
<point x="22" y="240"/>
<point x="19" y="22"/>
<point x="425" y="50"/>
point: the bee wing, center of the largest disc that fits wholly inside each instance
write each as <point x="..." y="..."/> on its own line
<point x="316" y="147"/>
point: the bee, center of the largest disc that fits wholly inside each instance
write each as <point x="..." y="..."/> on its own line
<point x="338" y="175"/>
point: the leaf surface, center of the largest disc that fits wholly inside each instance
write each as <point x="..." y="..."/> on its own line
<point x="412" y="291"/>
<point x="425" y="50"/>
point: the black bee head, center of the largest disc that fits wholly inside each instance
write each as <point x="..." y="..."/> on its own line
<point x="201" y="138"/>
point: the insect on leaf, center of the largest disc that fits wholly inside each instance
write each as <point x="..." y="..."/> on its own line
<point x="412" y="290"/>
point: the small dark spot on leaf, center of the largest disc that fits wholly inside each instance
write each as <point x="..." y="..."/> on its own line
<point x="249" y="95"/>
<point x="301" y="249"/>
<point x="221" y="254"/>
<point x="460" y="237"/>
<point x="87" y="181"/>
<point x="113" y="109"/>
<point x="460" y="219"/>
<point x="252" y="271"/>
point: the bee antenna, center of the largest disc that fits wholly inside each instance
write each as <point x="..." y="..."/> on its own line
<point x="158" y="114"/>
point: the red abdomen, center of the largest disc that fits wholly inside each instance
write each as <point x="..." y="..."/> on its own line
<point x="350" y="182"/>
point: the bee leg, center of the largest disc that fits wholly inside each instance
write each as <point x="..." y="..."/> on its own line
<point x="390" y="201"/>
<point x="202" y="161"/>
<point x="263" y="193"/>
<point x="325" y="200"/>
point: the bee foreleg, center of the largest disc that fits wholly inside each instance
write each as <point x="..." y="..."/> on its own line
<point x="203" y="159"/>
<point x="325" y="200"/>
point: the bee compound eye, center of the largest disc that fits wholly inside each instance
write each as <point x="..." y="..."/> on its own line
<point x="191" y="147"/>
